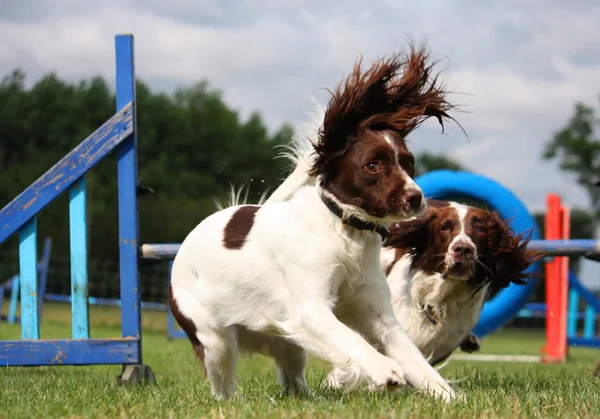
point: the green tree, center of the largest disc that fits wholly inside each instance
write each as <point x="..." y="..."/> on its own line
<point x="428" y="162"/>
<point x="576" y="147"/>
<point x="192" y="147"/>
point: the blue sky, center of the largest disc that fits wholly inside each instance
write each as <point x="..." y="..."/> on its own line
<point x="519" y="66"/>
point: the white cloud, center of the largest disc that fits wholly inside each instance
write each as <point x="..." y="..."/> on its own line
<point x="521" y="65"/>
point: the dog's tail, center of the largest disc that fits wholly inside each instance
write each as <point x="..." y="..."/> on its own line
<point x="299" y="153"/>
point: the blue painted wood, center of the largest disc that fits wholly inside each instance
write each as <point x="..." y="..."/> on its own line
<point x="64" y="173"/>
<point x="589" y="322"/>
<point x="43" y="268"/>
<point x="68" y="352"/>
<point x="591" y="343"/>
<point x="80" y="323"/>
<point x="98" y="301"/>
<point x="30" y="327"/>
<point x="127" y="197"/>
<point x="14" y="299"/>
<point x="573" y="312"/>
<point x="584" y="293"/>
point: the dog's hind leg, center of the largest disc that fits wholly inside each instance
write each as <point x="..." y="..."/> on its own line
<point x="220" y="359"/>
<point x="289" y="357"/>
<point x="291" y="363"/>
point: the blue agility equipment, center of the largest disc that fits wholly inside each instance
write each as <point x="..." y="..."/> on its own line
<point x="119" y="135"/>
<point x="13" y="285"/>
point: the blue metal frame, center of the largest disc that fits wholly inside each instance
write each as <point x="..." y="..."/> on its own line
<point x="117" y="134"/>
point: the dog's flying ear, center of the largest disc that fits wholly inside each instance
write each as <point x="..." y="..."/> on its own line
<point x="396" y="93"/>
<point x="411" y="233"/>
<point x="512" y="258"/>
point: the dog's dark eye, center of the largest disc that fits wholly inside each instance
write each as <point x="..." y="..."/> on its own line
<point x="481" y="230"/>
<point x="373" y="167"/>
<point x="445" y="227"/>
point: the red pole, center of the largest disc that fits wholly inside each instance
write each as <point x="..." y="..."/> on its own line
<point x="556" y="310"/>
<point x="564" y="285"/>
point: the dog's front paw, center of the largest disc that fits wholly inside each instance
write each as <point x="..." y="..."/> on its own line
<point x="470" y="343"/>
<point x="386" y="374"/>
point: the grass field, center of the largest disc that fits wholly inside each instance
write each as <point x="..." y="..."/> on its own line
<point x="493" y="389"/>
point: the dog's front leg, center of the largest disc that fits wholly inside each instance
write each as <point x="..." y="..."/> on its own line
<point x="375" y="319"/>
<point x="320" y="332"/>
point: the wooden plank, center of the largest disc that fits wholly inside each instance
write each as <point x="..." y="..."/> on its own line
<point x="64" y="173"/>
<point x="68" y="352"/>
<point x="583" y="342"/>
<point x="28" y="274"/>
<point x="80" y="323"/>
<point x="127" y="196"/>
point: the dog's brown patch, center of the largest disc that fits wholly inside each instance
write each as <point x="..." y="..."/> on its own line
<point x="239" y="226"/>
<point x="187" y="325"/>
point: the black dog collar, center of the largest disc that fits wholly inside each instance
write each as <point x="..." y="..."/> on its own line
<point x="352" y="221"/>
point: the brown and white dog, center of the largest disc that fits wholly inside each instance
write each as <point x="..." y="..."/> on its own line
<point x="304" y="274"/>
<point x="441" y="266"/>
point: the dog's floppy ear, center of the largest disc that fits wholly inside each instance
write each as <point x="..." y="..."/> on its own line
<point x="411" y="234"/>
<point x="511" y="258"/>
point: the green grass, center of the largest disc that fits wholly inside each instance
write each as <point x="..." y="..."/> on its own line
<point x="493" y="389"/>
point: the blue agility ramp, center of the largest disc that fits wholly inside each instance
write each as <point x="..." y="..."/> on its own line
<point x="117" y="135"/>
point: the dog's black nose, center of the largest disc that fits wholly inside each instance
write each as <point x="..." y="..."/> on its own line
<point x="414" y="199"/>
<point x="463" y="249"/>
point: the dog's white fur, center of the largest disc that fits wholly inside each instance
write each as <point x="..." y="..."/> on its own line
<point x="300" y="155"/>
<point x="454" y="308"/>
<point x="302" y="281"/>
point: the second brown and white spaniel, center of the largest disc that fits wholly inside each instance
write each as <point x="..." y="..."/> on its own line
<point x="441" y="266"/>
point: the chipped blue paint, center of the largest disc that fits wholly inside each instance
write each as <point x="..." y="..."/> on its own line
<point x="117" y="134"/>
<point x="64" y="173"/>
<point x="30" y="327"/>
<point x="80" y="323"/>
<point x="128" y="213"/>
<point x="19" y="353"/>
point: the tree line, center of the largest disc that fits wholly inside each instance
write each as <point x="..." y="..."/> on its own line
<point x="193" y="146"/>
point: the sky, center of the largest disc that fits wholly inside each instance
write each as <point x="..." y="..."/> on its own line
<point x="517" y="68"/>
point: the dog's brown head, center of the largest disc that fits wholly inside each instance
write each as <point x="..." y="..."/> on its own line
<point x="464" y="243"/>
<point x="361" y="158"/>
